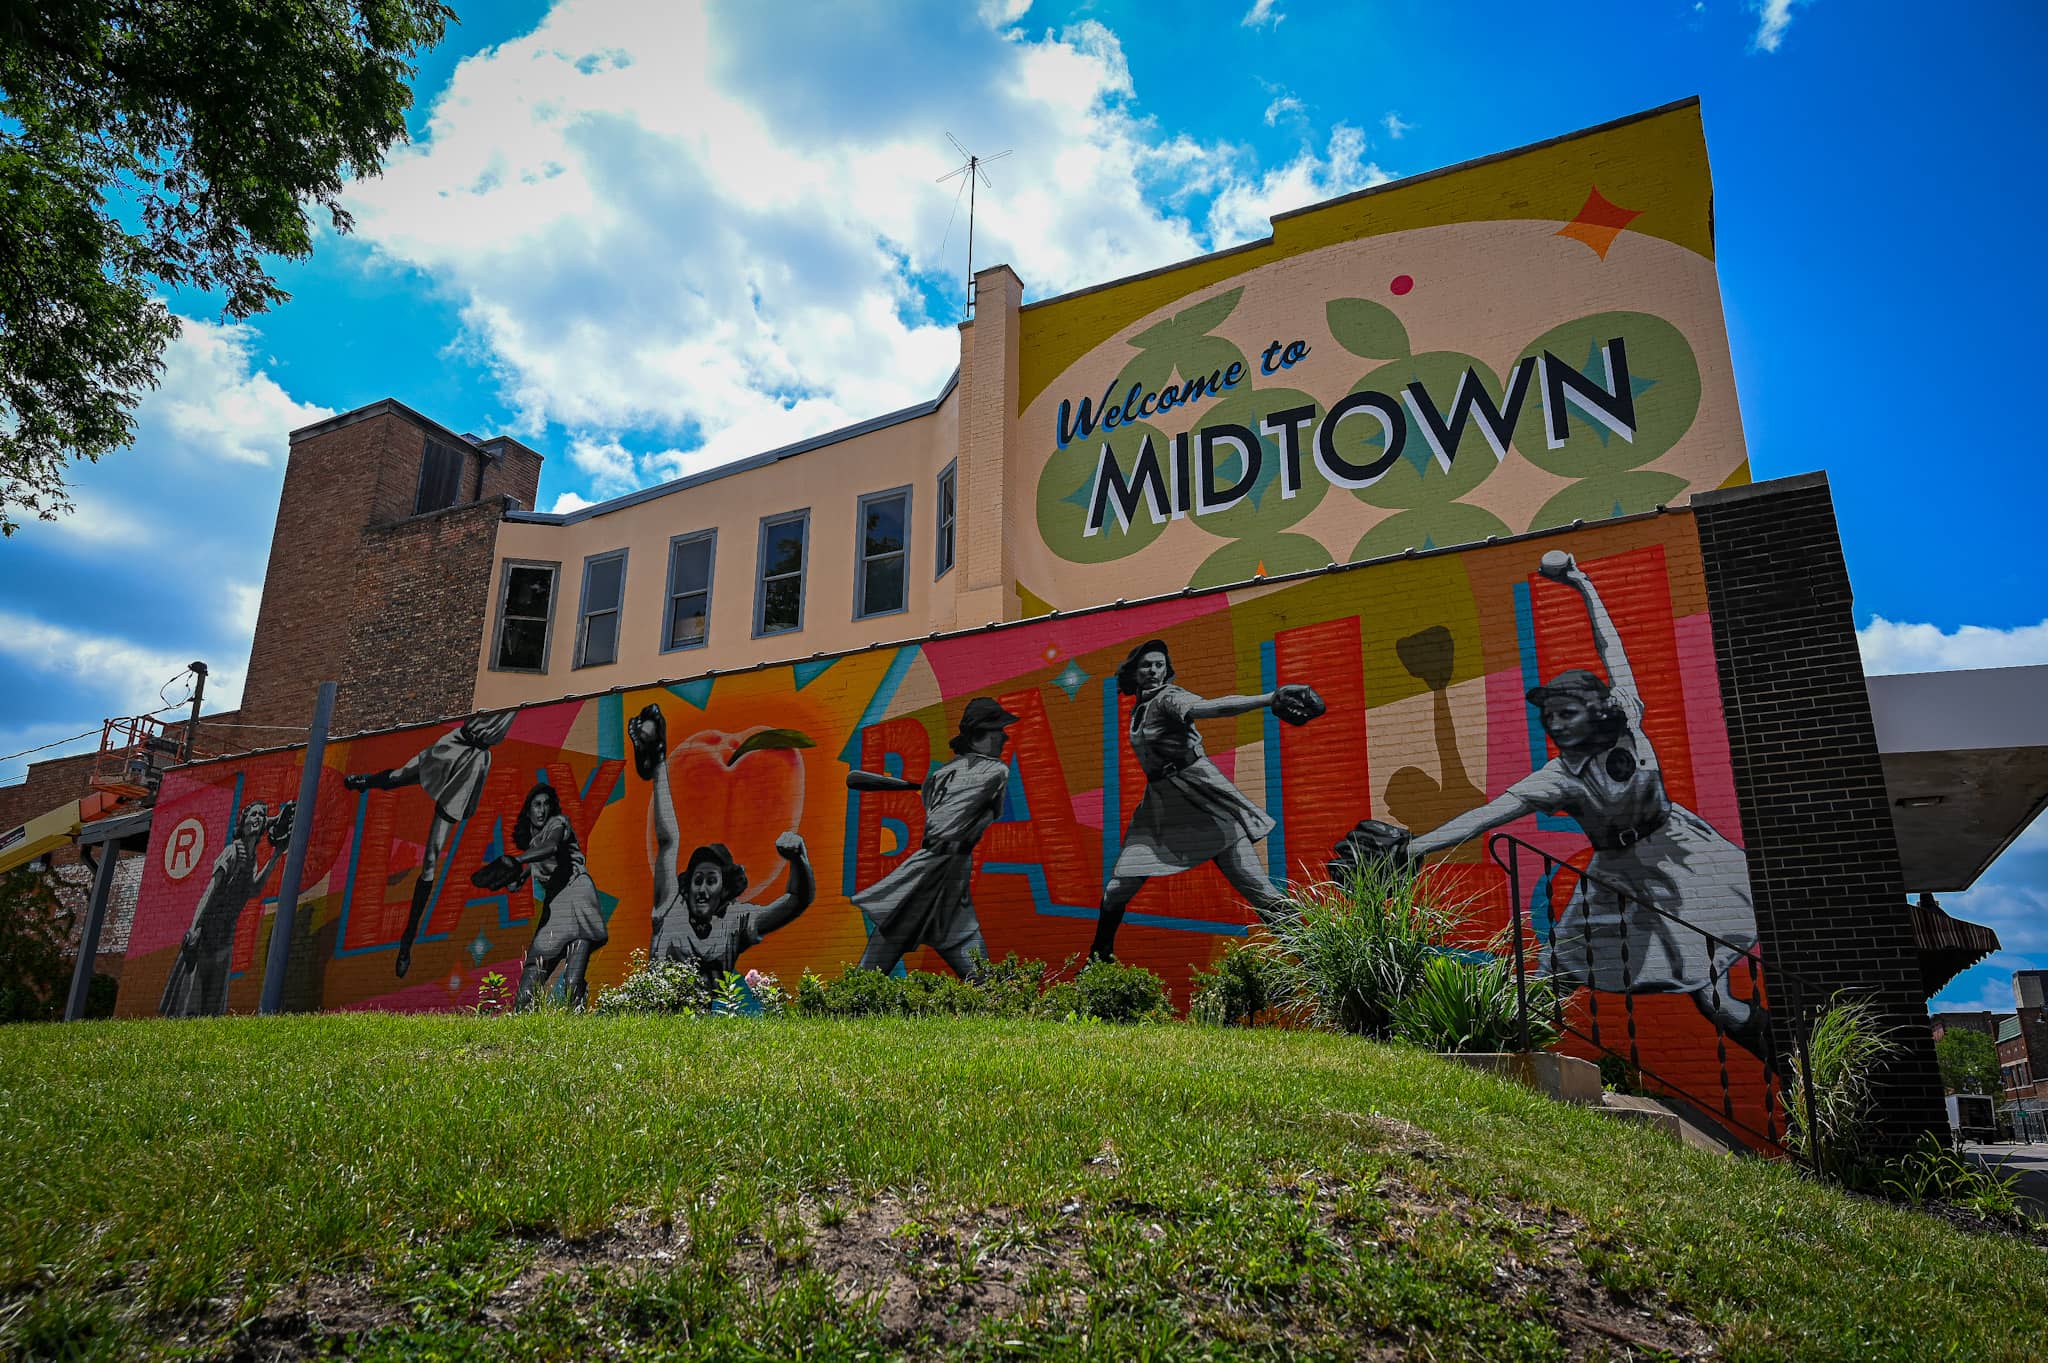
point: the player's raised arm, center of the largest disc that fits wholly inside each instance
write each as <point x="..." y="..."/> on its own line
<point x="803" y="886"/>
<point x="1621" y="679"/>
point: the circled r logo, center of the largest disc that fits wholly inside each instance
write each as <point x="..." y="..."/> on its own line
<point x="185" y="848"/>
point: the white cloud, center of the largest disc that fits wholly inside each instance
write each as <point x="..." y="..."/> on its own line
<point x="668" y="226"/>
<point x="1262" y="14"/>
<point x="1773" y="18"/>
<point x="567" y="502"/>
<point x="131" y="674"/>
<point x="215" y="398"/>
<point x="1394" y="126"/>
<point x="1243" y="210"/>
<point x="1280" y="108"/>
<point x="1890" y="646"/>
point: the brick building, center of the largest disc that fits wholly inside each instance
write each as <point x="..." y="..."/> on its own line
<point x="1369" y="452"/>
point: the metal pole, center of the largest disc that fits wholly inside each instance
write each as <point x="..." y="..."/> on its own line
<point x="295" y="860"/>
<point x="973" y="167"/>
<point x="192" y="724"/>
<point x="1515" y="926"/>
<point x="89" y="940"/>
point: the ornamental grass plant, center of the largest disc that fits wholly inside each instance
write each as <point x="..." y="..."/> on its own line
<point x="1347" y="952"/>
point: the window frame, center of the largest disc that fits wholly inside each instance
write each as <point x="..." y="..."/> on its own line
<point x="860" y="554"/>
<point x="668" y="598"/>
<point x="547" y="635"/>
<point x="584" y="613"/>
<point x="946" y="532"/>
<point x="803" y="574"/>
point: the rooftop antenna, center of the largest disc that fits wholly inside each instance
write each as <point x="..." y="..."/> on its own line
<point x="972" y="171"/>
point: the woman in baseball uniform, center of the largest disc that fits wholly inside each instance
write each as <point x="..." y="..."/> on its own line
<point x="925" y="900"/>
<point x="571" y="920"/>
<point x="451" y="770"/>
<point x="698" y="916"/>
<point x="1606" y="776"/>
<point x="1191" y="812"/>
<point x="198" y="986"/>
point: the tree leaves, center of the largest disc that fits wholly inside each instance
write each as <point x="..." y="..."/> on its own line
<point x="1367" y="329"/>
<point x="173" y="143"/>
<point x="770" y="740"/>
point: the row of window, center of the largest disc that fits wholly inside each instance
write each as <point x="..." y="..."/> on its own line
<point x="881" y="583"/>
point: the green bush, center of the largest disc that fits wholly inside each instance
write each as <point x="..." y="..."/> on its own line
<point x="1011" y="987"/>
<point x="1845" y="1047"/>
<point x="1347" y="952"/>
<point x="1113" y="992"/>
<point x="1931" y="1172"/>
<point x="1462" y="1004"/>
<point x="657" y="987"/>
<point x="1245" y="981"/>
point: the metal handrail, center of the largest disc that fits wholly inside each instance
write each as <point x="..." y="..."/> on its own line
<point x="1795" y="991"/>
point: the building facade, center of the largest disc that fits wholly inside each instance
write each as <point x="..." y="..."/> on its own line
<point x="1431" y="513"/>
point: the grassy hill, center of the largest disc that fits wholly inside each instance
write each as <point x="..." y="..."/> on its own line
<point x="583" y="1187"/>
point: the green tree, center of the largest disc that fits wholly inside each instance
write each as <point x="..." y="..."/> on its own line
<point x="35" y="941"/>
<point x="153" y="143"/>
<point x="1969" y="1062"/>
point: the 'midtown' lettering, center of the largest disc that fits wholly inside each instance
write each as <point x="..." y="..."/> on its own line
<point x="1353" y="444"/>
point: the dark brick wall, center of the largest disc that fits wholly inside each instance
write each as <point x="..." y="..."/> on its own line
<point x="421" y="590"/>
<point x="1823" y="858"/>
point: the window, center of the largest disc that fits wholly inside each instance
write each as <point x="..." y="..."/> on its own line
<point x="779" y="595"/>
<point x="525" y="615"/>
<point x="597" y="619"/>
<point x="881" y="583"/>
<point x="688" y="622"/>
<point x="949" y="485"/>
<point x="440" y="478"/>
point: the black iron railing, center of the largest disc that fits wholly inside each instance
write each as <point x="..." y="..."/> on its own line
<point x="1780" y="998"/>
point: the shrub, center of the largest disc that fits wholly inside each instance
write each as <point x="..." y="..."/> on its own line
<point x="856" y="993"/>
<point x="1245" y="981"/>
<point x="1349" y="951"/>
<point x="1011" y="987"/>
<point x="1462" y="1004"/>
<point x="657" y="987"/>
<point x="1845" y="1047"/>
<point x="1931" y="1172"/>
<point x="1113" y="992"/>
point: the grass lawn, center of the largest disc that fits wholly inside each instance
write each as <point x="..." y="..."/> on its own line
<point x="581" y="1187"/>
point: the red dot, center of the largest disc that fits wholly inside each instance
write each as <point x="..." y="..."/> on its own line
<point x="1402" y="283"/>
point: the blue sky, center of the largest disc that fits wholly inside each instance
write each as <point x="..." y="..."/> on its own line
<point x="646" y="238"/>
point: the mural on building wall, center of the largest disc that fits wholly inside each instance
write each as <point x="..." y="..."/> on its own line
<point x="1417" y="367"/>
<point x="1140" y="781"/>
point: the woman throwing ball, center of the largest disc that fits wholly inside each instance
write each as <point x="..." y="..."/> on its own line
<point x="1651" y="858"/>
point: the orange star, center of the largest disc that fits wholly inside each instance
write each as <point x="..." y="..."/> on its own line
<point x="1598" y="223"/>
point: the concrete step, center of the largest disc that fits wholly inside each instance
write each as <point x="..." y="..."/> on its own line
<point x="1625" y="1107"/>
<point x="1563" y="1077"/>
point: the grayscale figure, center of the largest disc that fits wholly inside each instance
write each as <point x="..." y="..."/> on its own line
<point x="572" y="924"/>
<point x="198" y="984"/>
<point x="1191" y="812"/>
<point x="1654" y="852"/>
<point x="926" y="901"/>
<point x="451" y="770"/>
<point x="698" y="917"/>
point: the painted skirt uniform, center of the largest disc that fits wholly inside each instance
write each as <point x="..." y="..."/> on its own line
<point x="1191" y="812"/>
<point x="715" y="952"/>
<point x="198" y="986"/>
<point x="570" y="911"/>
<point x="926" y="898"/>
<point x="1662" y="854"/>
<point x="453" y="769"/>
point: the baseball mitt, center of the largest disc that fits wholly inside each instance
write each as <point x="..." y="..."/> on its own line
<point x="1372" y="844"/>
<point x="1298" y="704"/>
<point x="500" y="873"/>
<point x="279" y="827"/>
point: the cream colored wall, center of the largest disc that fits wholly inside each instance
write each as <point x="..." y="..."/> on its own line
<point x="829" y="481"/>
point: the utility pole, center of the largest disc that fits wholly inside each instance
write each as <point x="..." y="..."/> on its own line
<point x="192" y="724"/>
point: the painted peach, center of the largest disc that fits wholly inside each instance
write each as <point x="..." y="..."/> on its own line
<point x="742" y="789"/>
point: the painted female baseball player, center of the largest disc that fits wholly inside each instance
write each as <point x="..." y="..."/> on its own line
<point x="198" y="985"/>
<point x="1606" y="776"/>
<point x="451" y="770"/>
<point x="925" y="901"/>
<point x="1191" y="812"/>
<point x="572" y="922"/>
<point x="698" y="916"/>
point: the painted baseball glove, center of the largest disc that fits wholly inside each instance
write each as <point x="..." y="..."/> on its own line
<point x="1298" y="704"/>
<point x="1372" y="844"/>
<point x="279" y="826"/>
<point x="499" y="873"/>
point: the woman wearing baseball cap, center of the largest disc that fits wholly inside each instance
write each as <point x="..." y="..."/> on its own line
<point x="1651" y="857"/>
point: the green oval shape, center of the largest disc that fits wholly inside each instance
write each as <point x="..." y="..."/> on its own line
<point x="1418" y="479"/>
<point x="1664" y="379"/>
<point x="1272" y="555"/>
<point x="1067" y="479"/>
<point x="1263" y="510"/>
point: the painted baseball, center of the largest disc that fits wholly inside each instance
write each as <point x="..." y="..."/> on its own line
<point x="1556" y="563"/>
